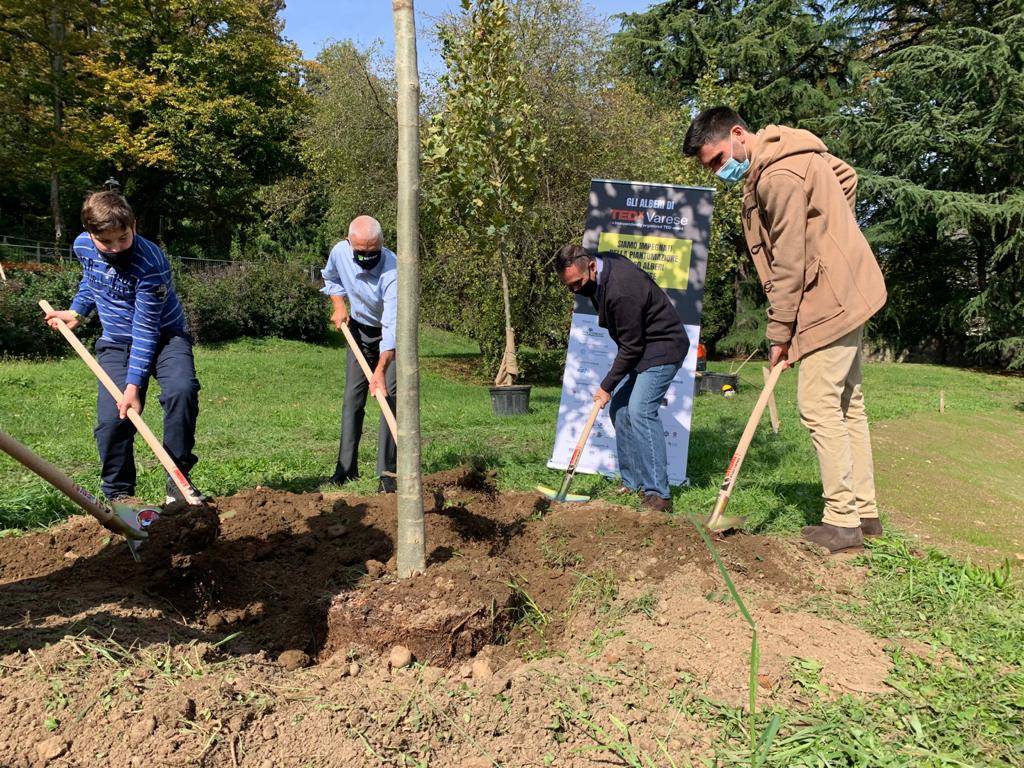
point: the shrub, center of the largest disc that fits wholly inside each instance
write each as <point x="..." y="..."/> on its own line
<point x="22" y="332"/>
<point x="270" y="299"/>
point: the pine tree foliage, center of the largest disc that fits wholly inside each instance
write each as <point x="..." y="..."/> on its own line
<point x="939" y="134"/>
<point x="787" y="59"/>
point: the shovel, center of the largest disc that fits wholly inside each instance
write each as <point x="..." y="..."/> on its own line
<point x="562" y="494"/>
<point x="190" y="494"/>
<point x="382" y="398"/>
<point x="119" y="518"/>
<point x="718" y="523"/>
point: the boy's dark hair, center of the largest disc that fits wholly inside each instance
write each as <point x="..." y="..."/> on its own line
<point x="709" y="126"/>
<point x="571" y="254"/>
<point x="104" y="211"/>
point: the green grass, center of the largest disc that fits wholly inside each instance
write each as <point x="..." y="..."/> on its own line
<point x="270" y="412"/>
<point x="963" y="706"/>
<point x="270" y="416"/>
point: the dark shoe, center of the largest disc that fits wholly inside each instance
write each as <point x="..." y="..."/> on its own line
<point x="653" y="503"/>
<point x="338" y="478"/>
<point x="870" y="527"/>
<point x="174" y="494"/>
<point x="833" y="538"/>
<point x="387" y="484"/>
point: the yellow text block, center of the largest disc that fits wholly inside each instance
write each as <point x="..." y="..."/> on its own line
<point x="666" y="259"/>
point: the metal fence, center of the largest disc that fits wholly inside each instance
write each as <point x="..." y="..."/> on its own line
<point x="18" y="250"/>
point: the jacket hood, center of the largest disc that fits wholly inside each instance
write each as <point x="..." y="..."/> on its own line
<point x="776" y="142"/>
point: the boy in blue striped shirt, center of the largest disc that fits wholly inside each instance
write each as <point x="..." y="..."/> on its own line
<point x="126" y="281"/>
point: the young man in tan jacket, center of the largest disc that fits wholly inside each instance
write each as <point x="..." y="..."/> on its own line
<point x="823" y="284"/>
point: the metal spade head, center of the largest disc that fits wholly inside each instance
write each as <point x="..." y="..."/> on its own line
<point x="554" y="496"/>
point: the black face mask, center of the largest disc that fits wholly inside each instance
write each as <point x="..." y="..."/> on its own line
<point x="119" y="259"/>
<point x="366" y="259"/>
<point x="588" y="289"/>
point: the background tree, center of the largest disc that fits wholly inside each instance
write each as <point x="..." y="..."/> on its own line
<point x="350" y="136"/>
<point x="483" y="151"/>
<point x="191" y="105"/>
<point x="784" y="60"/>
<point x="938" y="130"/>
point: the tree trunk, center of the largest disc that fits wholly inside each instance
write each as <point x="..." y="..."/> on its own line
<point x="509" y="368"/>
<point x="411" y="535"/>
<point x="56" y="79"/>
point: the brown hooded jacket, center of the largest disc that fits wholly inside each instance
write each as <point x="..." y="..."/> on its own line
<point x="819" y="273"/>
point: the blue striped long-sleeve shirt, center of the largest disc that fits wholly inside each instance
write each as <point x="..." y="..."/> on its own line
<point x="372" y="293"/>
<point x="135" y="305"/>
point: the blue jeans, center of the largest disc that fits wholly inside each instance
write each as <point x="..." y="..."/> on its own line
<point x="639" y="435"/>
<point x="174" y="369"/>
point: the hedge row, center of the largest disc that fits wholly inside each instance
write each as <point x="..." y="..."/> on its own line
<point x="273" y="299"/>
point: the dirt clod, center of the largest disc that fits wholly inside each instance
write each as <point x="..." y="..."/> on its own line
<point x="400" y="657"/>
<point x="141" y="731"/>
<point x="180" y="532"/>
<point x="293" y="659"/>
<point x="481" y="670"/>
<point x="52" y="748"/>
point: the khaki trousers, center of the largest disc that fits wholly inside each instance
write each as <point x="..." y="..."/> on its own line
<point x="832" y="408"/>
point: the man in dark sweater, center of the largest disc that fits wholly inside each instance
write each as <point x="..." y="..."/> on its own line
<point x="652" y="344"/>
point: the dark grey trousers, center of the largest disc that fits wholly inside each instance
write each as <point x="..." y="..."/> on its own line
<point x="354" y="408"/>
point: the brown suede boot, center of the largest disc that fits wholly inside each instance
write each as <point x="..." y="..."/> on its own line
<point x="870" y="526"/>
<point x="833" y="538"/>
<point x="654" y="503"/>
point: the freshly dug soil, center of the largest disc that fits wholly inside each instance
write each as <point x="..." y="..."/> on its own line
<point x="216" y="633"/>
<point x="181" y="531"/>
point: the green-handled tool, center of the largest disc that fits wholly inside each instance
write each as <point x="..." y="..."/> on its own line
<point x="562" y="494"/>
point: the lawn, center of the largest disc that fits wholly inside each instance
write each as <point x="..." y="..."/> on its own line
<point x="954" y="632"/>
<point x="270" y="414"/>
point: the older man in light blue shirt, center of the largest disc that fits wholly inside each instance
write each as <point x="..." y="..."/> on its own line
<point x="361" y="270"/>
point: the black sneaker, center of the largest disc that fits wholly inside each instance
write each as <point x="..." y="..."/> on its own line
<point x="175" y="496"/>
<point x="388" y="484"/>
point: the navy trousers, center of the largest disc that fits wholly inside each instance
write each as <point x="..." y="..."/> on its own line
<point x="174" y="369"/>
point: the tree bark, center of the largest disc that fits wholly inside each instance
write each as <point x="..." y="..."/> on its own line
<point x="56" y="79"/>
<point x="411" y="530"/>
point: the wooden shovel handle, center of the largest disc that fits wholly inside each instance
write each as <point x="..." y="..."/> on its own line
<point x="389" y="417"/>
<point x="584" y="436"/>
<point x="65" y="485"/>
<point x="733" y="470"/>
<point x="147" y="434"/>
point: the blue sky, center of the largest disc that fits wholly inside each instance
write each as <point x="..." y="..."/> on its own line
<point x="312" y="23"/>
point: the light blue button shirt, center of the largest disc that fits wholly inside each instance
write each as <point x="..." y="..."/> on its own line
<point x="372" y="293"/>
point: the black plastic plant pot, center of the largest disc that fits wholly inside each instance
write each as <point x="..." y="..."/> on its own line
<point x="709" y="381"/>
<point x="510" y="401"/>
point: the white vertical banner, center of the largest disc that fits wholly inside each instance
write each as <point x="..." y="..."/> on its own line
<point x="664" y="229"/>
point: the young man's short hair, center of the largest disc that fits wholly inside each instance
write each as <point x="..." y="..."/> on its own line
<point x="571" y="254"/>
<point x="105" y="211"/>
<point x="710" y="126"/>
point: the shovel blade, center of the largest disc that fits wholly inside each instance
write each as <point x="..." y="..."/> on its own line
<point x="554" y="495"/>
<point x="723" y="524"/>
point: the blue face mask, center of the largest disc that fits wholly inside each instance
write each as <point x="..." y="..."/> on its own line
<point x="733" y="170"/>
